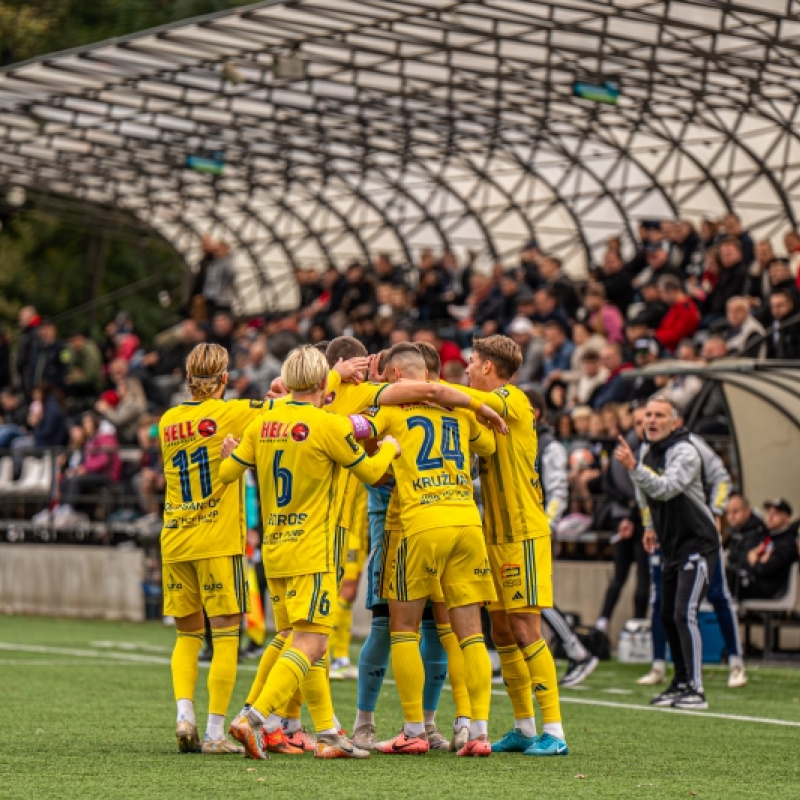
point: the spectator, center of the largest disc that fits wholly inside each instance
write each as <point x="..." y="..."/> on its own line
<point x="49" y="357"/>
<point x="222" y="330"/>
<point x="590" y="379"/>
<point x="657" y="256"/>
<point x="792" y="242"/>
<point x="733" y="230"/>
<point x="585" y="339"/>
<point x="552" y="273"/>
<point x="13" y="417"/>
<point x="784" y="339"/>
<point x="454" y="372"/>
<point x="47" y="421"/>
<point x="558" y="351"/>
<point x="686" y="251"/>
<point x="652" y="311"/>
<point x="731" y="282"/>
<point x="125" y="403"/>
<point x="620" y="513"/>
<point x="431" y="289"/>
<point x="746" y="531"/>
<point x="645" y="351"/>
<point x="766" y="574"/>
<point x="523" y="332"/>
<point x="387" y="272"/>
<point x="148" y="482"/>
<point x="547" y="308"/>
<point x="261" y="366"/>
<point x="681" y="390"/>
<point x="529" y="265"/>
<point x="700" y="288"/>
<point x="603" y="318"/>
<point x="498" y="313"/>
<point x="29" y="322"/>
<point x="682" y="319"/>
<point x="757" y="289"/>
<point x="219" y="284"/>
<point x="84" y="377"/>
<point x="122" y="342"/>
<point x="780" y="278"/>
<point x="616" y="388"/>
<point x="100" y="466"/>
<point x="447" y="350"/>
<point x="616" y="281"/>
<point x="743" y="328"/>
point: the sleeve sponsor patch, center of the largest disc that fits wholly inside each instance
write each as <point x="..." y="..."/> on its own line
<point x="256" y="404"/>
<point x="502" y="392"/>
<point x="352" y="443"/>
<point x="372" y="411"/>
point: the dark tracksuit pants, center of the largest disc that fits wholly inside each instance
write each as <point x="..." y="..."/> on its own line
<point x="684" y="584"/>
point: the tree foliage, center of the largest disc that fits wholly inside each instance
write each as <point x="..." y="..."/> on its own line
<point x="52" y="261"/>
<point x="30" y="28"/>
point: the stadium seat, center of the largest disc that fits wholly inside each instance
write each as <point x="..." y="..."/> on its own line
<point x="768" y="610"/>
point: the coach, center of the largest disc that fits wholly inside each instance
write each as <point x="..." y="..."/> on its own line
<point x="669" y="487"/>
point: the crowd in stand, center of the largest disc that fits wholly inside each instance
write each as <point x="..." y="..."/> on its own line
<point x="686" y="293"/>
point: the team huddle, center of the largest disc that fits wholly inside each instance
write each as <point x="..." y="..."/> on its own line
<point x="406" y="444"/>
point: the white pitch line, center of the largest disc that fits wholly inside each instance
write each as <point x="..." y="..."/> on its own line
<point x="631" y="707"/>
<point x="712" y="714"/>
<point x="95" y="655"/>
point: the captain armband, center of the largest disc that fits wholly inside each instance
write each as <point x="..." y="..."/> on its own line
<point x="361" y="427"/>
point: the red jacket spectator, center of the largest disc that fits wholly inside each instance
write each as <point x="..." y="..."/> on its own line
<point x="682" y="319"/>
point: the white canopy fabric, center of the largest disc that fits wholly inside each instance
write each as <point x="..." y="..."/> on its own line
<point x="310" y="131"/>
<point x="763" y="401"/>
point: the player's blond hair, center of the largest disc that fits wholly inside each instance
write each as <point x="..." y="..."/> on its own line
<point x="205" y="368"/>
<point x="503" y="352"/>
<point x="305" y="369"/>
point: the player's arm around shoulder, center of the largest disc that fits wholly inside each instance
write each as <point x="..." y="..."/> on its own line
<point x="245" y="411"/>
<point x="342" y="447"/>
<point x="482" y="440"/>
<point x="234" y="464"/>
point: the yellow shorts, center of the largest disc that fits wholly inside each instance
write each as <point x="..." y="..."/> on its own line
<point x="523" y="574"/>
<point x="357" y="551"/>
<point x="304" y="599"/>
<point x="442" y="563"/>
<point x="217" y="585"/>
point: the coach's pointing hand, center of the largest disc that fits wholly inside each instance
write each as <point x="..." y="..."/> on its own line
<point x="624" y="454"/>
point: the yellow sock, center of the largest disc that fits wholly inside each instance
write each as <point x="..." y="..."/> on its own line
<point x="340" y="637"/>
<point x="478" y="670"/>
<point x="184" y="663"/>
<point x="268" y="659"/>
<point x="292" y="710"/>
<point x="317" y="693"/>
<point x="409" y="674"/>
<point x="544" y="679"/>
<point x="222" y="673"/>
<point x="455" y="670"/>
<point x="517" y="680"/>
<point x="282" y="681"/>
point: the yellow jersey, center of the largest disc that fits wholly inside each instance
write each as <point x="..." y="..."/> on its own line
<point x="203" y="518"/>
<point x="297" y="450"/>
<point x="344" y="399"/>
<point x="512" y="492"/>
<point x="434" y="487"/>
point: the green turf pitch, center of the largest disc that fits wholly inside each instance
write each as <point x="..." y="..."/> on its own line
<point x="87" y="712"/>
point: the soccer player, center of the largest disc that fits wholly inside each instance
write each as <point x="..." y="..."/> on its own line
<point x="442" y="551"/>
<point x="555" y="493"/>
<point x="297" y="451"/>
<point x="518" y="543"/>
<point x="203" y="542"/>
<point x="439" y="646"/>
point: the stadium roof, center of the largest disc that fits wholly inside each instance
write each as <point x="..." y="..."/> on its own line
<point x="314" y="130"/>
